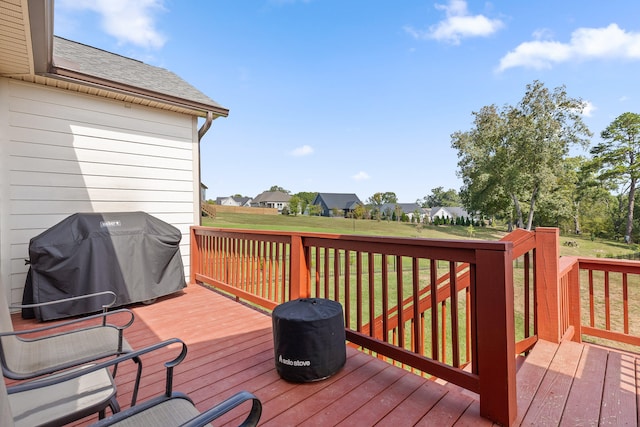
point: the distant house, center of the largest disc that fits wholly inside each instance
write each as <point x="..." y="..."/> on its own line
<point x="234" y="201"/>
<point x="271" y="199"/>
<point x="409" y="209"/>
<point x="336" y="204"/>
<point x="203" y="192"/>
<point x="448" y="212"/>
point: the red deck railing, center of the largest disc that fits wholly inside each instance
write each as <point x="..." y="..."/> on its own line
<point x="444" y="308"/>
<point x="598" y="296"/>
<point x="441" y="307"/>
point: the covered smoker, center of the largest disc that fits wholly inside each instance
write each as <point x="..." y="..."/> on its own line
<point x="133" y="254"/>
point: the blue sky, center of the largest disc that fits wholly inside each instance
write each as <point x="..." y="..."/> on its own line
<point x="361" y="96"/>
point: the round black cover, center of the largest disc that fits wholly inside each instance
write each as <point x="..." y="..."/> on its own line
<point x="133" y="254"/>
<point x="309" y="339"/>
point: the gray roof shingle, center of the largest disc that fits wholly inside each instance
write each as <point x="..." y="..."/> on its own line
<point x="338" y="200"/>
<point x="94" y="62"/>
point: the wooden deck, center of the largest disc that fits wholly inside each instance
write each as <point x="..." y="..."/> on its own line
<point x="575" y="384"/>
<point x="231" y="349"/>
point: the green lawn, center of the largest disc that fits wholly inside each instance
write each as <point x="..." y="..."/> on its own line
<point x="584" y="245"/>
<point x="580" y="246"/>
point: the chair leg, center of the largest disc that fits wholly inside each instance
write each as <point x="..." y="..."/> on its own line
<point x="114" y="405"/>
<point x="134" y="396"/>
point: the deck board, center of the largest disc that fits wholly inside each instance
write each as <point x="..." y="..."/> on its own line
<point x="554" y="389"/>
<point x="231" y="349"/>
<point x="619" y="391"/>
<point x="587" y="387"/>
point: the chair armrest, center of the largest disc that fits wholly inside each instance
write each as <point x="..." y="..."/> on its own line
<point x="102" y="316"/>
<point x="222" y="408"/>
<point x="67" y="375"/>
<point x="79" y="297"/>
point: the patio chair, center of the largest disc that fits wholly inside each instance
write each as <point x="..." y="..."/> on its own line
<point x="57" y="391"/>
<point x="76" y="344"/>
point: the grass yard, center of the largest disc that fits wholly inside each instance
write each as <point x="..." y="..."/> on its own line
<point x="569" y="245"/>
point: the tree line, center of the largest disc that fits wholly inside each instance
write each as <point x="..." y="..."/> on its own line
<point x="515" y="164"/>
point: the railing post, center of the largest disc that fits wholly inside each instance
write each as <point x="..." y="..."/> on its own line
<point x="194" y="256"/>
<point x="575" y="312"/>
<point x="548" y="283"/>
<point x="495" y="339"/>
<point x="299" y="280"/>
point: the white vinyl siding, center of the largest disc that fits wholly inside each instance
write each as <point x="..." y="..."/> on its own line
<point x="64" y="152"/>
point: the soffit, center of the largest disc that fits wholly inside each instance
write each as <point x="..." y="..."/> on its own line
<point x="16" y="57"/>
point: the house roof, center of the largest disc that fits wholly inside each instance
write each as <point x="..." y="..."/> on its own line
<point x="271" y="196"/>
<point x="405" y="207"/>
<point x="30" y="52"/>
<point x="454" y="211"/>
<point x="79" y="61"/>
<point x="338" y="200"/>
<point x="241" y="201"/>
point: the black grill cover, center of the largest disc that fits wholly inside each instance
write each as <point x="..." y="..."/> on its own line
<point x="309" y="339"/>
<point x="133" y="254"/>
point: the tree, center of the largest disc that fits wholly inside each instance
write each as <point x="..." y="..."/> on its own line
<point x="294" y="205"/>
<point x="314" y="210"/>
<point x="514" y="155"/>
<point x="619" y="161"/>
<point x="440" y="197"/>
<point x="306" y="198"/>
<point x="379" y="199"/>
<point x="359" y="212"/>
<point x="278" y="188"/>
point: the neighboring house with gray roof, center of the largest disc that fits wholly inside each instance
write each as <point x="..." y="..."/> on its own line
<point x="86" y="130"/>
<point x="336" y="204"/>
<point x="234" y="201"/>
<point x="412" y="210"/>
<point x="271" y="199"/>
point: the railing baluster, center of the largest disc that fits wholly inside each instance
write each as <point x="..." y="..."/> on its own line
<point x="327" y="269"/>
<point x="418" y="340"/>
<point x="372" y="295"/>
<point x="443" y="331"/>
<point x="527" y="290"/>
<point x="336" y="275"/>
<point x="385" y="298"/>
<point x="359" y="291"/>
<point x="592" y="321"/>
<point x="318" y="270"/>
<point x="400" y="304"/>
<point x="347" y="288"/>
<point x="607" y="306"/>
<point x="433" y="272"/>
<point x="453" y="298"/>
<point x="625" y="302"/>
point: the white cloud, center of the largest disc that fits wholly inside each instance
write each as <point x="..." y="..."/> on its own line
<point x="588" y="109"/>
<point x="129" y="21"/>
<point x="361" y="176"/>
<point x="585" y="43"/>
<point x="458" y="24"/>
<point x="305" y="150"/>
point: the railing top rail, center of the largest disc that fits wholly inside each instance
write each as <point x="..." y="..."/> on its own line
<point x="609" y="264"/>
<point x="565" y="264"/>
<point x="523" y="241"/>
<point x="384" y="240"/>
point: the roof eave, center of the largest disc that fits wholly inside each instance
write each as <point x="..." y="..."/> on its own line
<point x="88" y="80"/>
